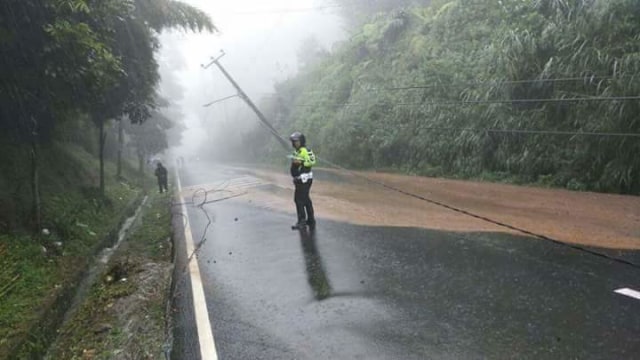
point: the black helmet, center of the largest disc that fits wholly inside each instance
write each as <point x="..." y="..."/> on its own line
<point x="298" y="136"/>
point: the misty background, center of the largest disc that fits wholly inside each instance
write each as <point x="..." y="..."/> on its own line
<point x="471" y="89"/>
<point x="261" y="40"/>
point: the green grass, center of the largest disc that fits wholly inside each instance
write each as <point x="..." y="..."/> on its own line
<point x="18" y="307"/>
<point x="147" y="243"/>
<point x="79" y="221"/>
<point x="81" y="334"/>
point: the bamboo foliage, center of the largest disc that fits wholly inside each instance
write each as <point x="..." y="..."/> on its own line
<point x="425" y="98"/>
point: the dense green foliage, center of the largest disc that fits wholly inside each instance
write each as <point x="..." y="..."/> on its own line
<point x="65" y="67"/>
<point x="424" y="90"/>
<point x="94" y="56"/>
<point x="79" y="221"/>
<point x="144" y="259"/>
<point x="93" y="60"/>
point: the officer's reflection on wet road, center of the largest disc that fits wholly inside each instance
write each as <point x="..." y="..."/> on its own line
<point x="316" y="274"/>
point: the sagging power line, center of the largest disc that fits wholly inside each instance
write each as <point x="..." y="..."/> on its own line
<point x="532" y="132"/>
<point x="447" y="83"/>
<point x="585" y="79"/>
<point x="289" y="10"/>
<point x="498" y="101"/>
<point x="283" y="142"/>
<point x="511" y="101"/>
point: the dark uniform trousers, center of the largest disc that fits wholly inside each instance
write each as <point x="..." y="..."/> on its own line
<point x="304" y="206"/>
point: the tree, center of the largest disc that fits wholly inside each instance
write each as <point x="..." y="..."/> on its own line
<point x="170" y="88"/>
<point x="149" y="137"/>
<point x="134" y="40"/>
<point x="64" y="57"/>
<point x="51" y="63"/>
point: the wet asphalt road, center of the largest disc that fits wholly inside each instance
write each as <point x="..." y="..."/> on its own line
<point x="356" y="292"/>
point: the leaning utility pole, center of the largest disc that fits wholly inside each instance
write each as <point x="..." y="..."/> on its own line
<point x="243" y="96"/>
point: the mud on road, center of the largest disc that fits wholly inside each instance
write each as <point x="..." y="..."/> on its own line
<point x="598" y="220"/>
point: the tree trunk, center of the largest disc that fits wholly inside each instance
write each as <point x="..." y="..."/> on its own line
<point x="35" y="180"/>
<point x="101" y="142"/>
<point x="120" y="148"/>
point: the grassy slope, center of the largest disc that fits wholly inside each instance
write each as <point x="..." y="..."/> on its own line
<point x="78" y="220"/>
<point x="127" y="317"/>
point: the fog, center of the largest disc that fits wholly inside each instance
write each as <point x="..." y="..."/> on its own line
<point x="260" y="39"/>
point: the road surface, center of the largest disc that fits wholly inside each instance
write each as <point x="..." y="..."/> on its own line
<point x="353" y="291"/>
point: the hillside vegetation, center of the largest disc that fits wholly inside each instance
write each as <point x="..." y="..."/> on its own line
<point x="539" y="91"/>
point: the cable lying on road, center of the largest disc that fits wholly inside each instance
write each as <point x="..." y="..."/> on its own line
<point x="203" y="239"/>
<point x="181" y="273"/>
<point x="200" y="206"/>
<point x="205" y="199"/>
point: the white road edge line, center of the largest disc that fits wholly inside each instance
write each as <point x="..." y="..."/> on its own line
<point x="628" y="292"/>
<point x="203" y="324"/>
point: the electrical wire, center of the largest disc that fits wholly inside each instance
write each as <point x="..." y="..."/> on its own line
<point x="501" y="101"/>
<point x="200" y="206"/>
<point x="283" y="142"/>
<point x="534" y="132"/>
<point x="483" y="218"/>
<point x="288" y="10"/>
<point x="586" y="79"/>
<point x="511" y="101"/>
<point x="477" y="216"/>
<point x="590" y="79"/>
<point x="515" y="131"/>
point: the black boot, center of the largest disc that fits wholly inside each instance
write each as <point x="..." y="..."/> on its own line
<point x="301" y="216"/>
<point x="300" y="225"/>
<point x="311" y="219"/>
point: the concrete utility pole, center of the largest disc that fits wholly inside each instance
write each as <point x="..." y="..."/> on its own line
<point x="243" y="96"/>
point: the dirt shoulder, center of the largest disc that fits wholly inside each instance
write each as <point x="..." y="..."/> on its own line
<point x="600" y="220"/>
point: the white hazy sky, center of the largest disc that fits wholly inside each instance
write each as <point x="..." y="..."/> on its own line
<point x="260" y="39"/>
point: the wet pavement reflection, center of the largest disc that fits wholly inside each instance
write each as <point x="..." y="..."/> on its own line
<point x="346" y="291"/>
<point x="316" y="274"/>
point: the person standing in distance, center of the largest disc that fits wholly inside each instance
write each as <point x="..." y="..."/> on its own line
<point x="302" y="161"/>
<point x="161" y="174"/>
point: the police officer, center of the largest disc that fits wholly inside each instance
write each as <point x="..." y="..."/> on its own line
<point x="302" y="161"/>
